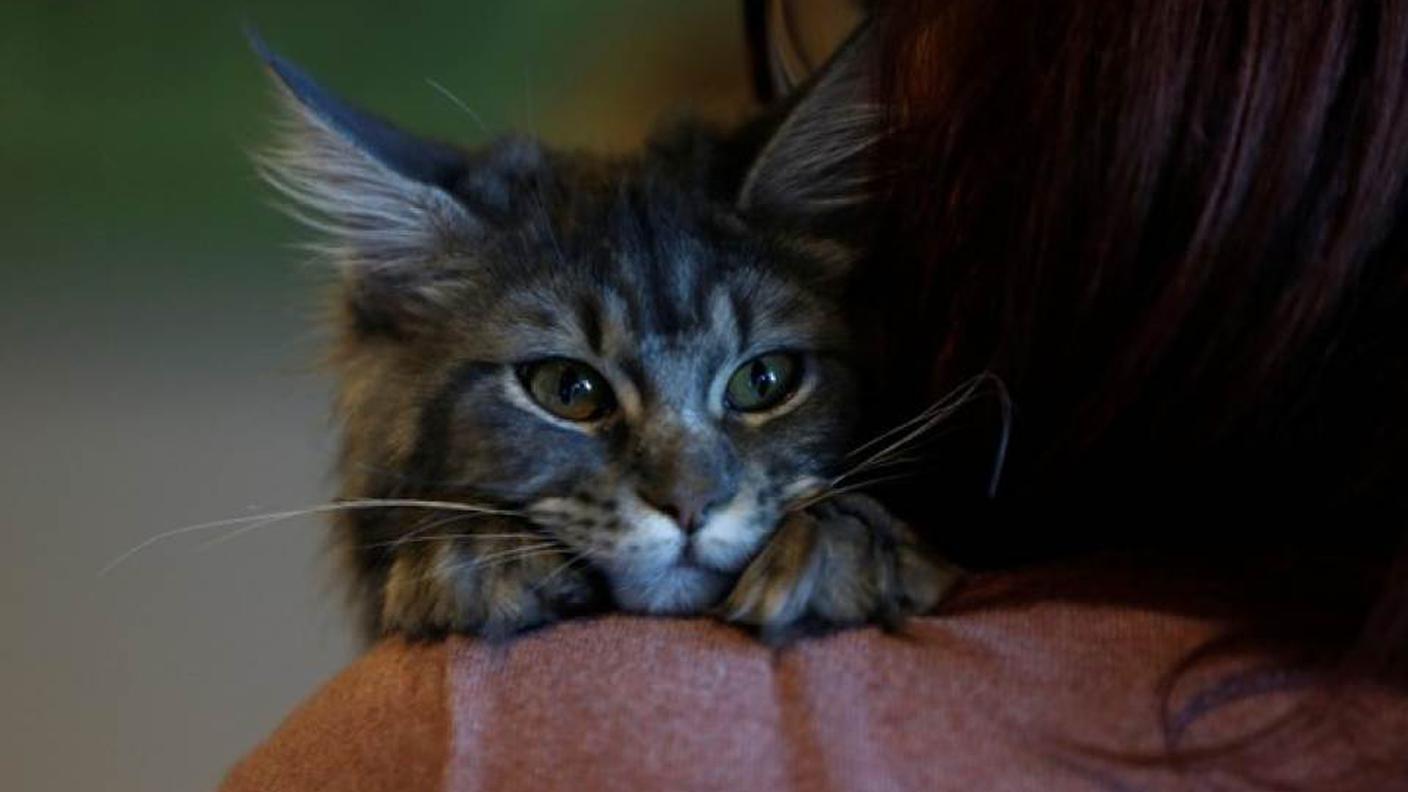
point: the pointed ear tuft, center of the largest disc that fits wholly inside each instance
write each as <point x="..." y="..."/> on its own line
<point x="382" y="195"/>
<point x="817" y="161"/>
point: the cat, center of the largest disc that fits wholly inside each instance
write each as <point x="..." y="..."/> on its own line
<point x="569" y="384"/>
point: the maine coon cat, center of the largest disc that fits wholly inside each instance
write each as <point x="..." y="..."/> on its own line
<point x="570" y="383"/>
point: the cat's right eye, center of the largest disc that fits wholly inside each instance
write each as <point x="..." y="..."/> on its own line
<point x="569" y="389"/>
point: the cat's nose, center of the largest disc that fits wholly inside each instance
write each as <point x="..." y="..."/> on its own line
<point x="686" y="509"/>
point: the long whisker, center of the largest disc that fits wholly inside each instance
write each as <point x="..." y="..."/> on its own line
<point x="261" y="520"/>
<point x="430" y="524"/>
<point x="955" y="398"/>
<point x="405" y="540"/>
<point x="547" y="224"/>
<point x="932" y="415"/>
<point x="563" y="567"/>
<point x="460" y="103"/>
<point x="915" y="428"/>
<point x="500" y="555"/>
<point x="999" y="462"/>
<point x="895" y="460"/>
<point x="237" y="533"/>
<point x="433" y="522"/>
<point x="514" y="552"/>
<point x="496" y="559"/>
<point x="827" y="494"/>
<point x="894" y="447"/>
<point x="911" y="450"/>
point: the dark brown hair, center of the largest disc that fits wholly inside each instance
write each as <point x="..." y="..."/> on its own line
<point x="1175" y="229"/>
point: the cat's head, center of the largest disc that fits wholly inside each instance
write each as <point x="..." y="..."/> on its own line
<point x="651" y="368"/>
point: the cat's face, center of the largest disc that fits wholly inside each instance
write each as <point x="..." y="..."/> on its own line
<point x="644" y="370"/>
<point x="645" y="376"/>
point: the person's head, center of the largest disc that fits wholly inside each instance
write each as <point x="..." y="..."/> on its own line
<point x="1175" y="229"/>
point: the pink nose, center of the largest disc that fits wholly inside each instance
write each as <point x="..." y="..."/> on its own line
<point x="687" y="511"/>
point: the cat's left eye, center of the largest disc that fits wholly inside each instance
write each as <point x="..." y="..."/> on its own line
<point x="568" y="389"/>
<point x="764" y="382"/>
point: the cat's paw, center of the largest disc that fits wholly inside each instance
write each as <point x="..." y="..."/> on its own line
<point x="842" y="562"/>
<point x="488" y="586"/>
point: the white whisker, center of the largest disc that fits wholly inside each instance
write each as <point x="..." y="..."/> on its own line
<point x="458" y="102"/>
<point x="832" y="493"/>
<point x="497" y="558"/>
<point x="261" y="520"/>
<point x="405" y="540"/>
<point x="563" y="567"/>
<point x="916" y="428"/>
<point x="430" y="524"/>
<point x="955" y="398"/>
<point x="999" y="461"/>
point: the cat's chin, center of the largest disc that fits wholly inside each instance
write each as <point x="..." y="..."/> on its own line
<point x="681" y="590"/>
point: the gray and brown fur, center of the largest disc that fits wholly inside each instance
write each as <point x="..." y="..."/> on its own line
<point x="664" y="272"/>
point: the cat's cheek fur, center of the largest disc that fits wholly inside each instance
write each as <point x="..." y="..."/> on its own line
<point x="462" y="586"/>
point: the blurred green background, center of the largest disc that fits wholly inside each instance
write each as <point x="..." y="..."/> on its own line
<point x="155" y="362"/>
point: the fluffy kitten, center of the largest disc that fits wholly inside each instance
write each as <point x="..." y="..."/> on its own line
<point x="626" y="382"/>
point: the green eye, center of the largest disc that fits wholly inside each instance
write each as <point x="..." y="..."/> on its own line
<point x="764" y="382"/>
<point x="568" y="389"/>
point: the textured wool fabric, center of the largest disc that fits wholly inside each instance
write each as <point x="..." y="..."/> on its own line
<point x="1000" y="694"/>
<point x="382" y="724"/>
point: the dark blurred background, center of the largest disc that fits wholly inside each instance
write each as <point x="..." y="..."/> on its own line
<point x="155" y="363"/>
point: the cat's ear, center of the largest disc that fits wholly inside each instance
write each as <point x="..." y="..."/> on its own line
<point x="817" y="161"/>
<point x="784" y="65"/>
<point x="384" y="197"/>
